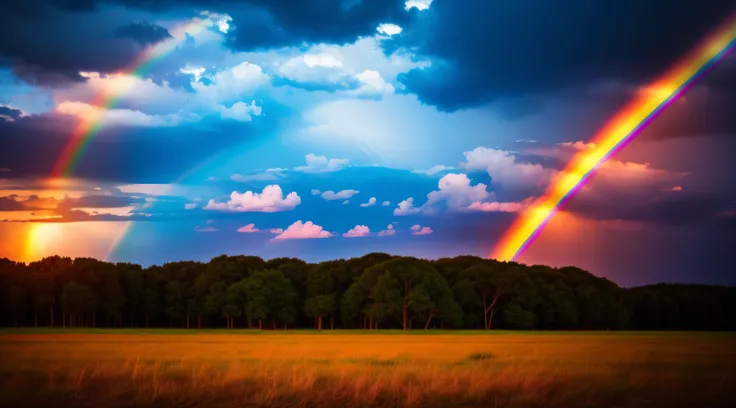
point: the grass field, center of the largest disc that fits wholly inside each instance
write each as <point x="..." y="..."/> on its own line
<point x="127" y="368"/>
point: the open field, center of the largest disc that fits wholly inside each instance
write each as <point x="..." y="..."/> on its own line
<point x="127" y="368"/>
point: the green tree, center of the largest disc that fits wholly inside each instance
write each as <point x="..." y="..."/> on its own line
<point x="492" y="286"/>
<point x="112" y="297"/>
<point x="44" y="296"/>
<point x="15" y="302"/>
<point x="320" y="301"/>
<point x="77" y="301"/>
<point x="270" y="295"/>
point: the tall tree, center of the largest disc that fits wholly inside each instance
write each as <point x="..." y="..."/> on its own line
<point x="15" y="302"/>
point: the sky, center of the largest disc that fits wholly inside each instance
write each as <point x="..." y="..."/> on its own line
<point x="161" y="130"/>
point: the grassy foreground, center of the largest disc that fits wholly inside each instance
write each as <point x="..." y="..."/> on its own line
<point x="117" y="368"/>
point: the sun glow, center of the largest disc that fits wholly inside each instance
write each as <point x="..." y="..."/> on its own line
<point x="41" y="238"/>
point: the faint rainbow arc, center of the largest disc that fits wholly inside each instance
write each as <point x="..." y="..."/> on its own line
<point x="87" y="129"/>
<point x="614" y="136"/>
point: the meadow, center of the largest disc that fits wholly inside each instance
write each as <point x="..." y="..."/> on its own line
<point x="129" y="368"/>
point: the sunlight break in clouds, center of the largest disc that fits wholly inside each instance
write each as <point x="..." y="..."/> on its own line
<point x="389" y="29"/>
<point x="113" y="117"/>
<point x="270" y="200"/>
<point x="303" y="230"/>
<point x="418" y="4"/>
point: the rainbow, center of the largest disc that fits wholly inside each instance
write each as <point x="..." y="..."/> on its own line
<point x="613" y="137"/>
<point x="107" y="99"/>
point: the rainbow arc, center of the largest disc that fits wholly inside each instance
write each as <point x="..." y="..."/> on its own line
<point x="614" y="136"/>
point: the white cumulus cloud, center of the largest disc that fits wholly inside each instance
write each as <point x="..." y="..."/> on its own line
<point x="502" y="166"/>
<point x="303" y="230"/>
<point x="372" y="85"/>
<point x="389" y="29"/>
<point x="454" y="190"/>
<point x="419" y="230"/>
<point x="271" y="199"/>
<point x="320" y="164"/>
<point x="371" y="202"/>
<point x="406" y="207"/>
<point x="248" y="228"/>
<point x="388" y="231"/>
<point x="418" y="4"/>
<point x="357" y="231"/>
<point x="330" y="195"/>
<point x="241" y="111"/>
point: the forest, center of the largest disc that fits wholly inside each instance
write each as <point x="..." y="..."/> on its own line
<point x="376" y="291"/>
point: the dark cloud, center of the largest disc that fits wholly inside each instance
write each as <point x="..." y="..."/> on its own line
<point x="98" y="201"/>
<point x="143" y="32"/>
<point x="123" y="154"/>
<point x="62" y="37"/>
<point x="493" y="49"/>
<point x="9" y="113"/>
<point x="31" y="203"/>
<point x="52" y="47"/>
<point x="10" y="203"/>
<point x="667" y="208"/>
<point x="289" y="22"/>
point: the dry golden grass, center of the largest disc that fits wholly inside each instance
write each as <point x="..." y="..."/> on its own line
<point x="367" y="370"/>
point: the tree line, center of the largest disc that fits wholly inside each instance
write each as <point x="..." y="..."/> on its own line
<point x="376" y="291"/>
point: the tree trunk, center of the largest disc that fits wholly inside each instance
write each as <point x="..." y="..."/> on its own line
<point x="250" y="323"/>
<point x="332" y="322"/>
<point x="319" y="322"/>
<point x="273" y="323"/>
<point x="404" y="311"/>
<point x="260" y="324"/>
<point x="490" y="319"/>
<point x="51" y="314"/>
<point x="370" y="322"/>
<point x="431" y="313"/>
